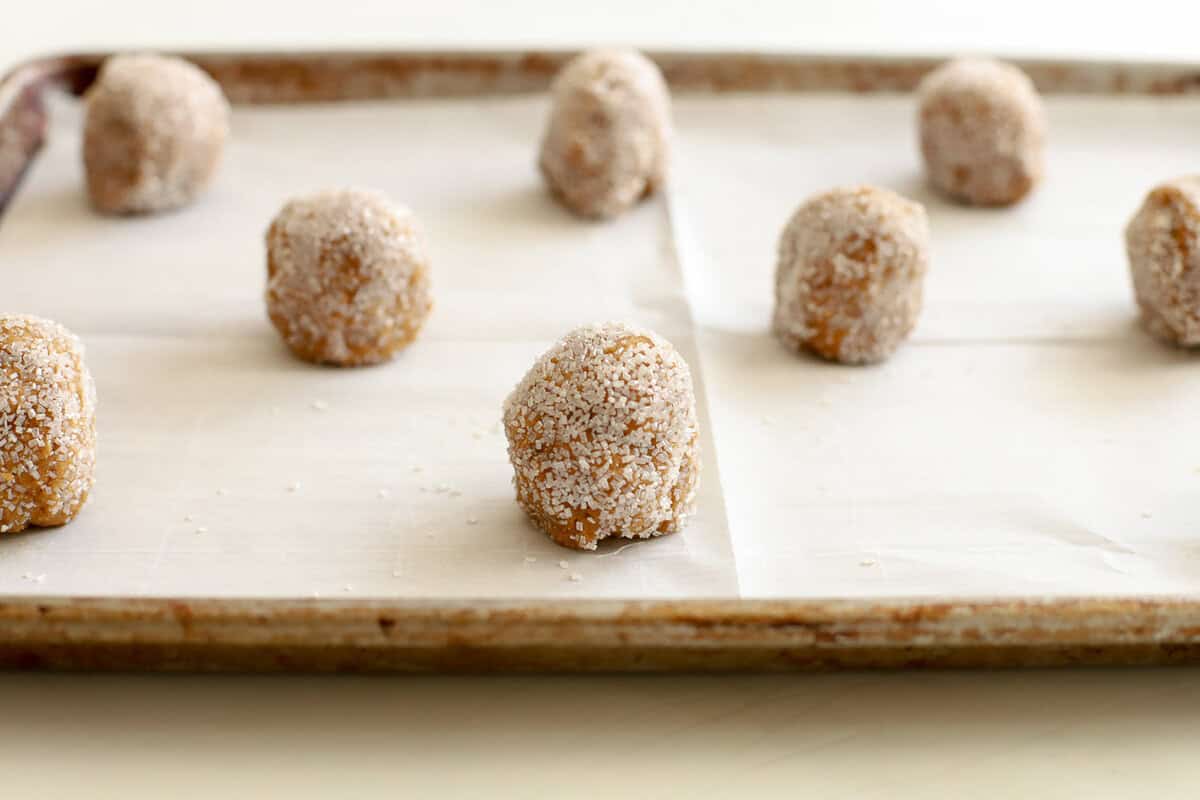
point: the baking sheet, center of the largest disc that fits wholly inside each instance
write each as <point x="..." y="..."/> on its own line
<point x="206" y="421"/>
<point x="1030" y="440"/>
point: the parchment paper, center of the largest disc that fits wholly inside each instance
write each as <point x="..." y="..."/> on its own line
<point x="1029" y="440"/>
<point x="206" y="421"/>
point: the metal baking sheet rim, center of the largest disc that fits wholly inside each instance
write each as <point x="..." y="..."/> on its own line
<point x="578" y="635"/>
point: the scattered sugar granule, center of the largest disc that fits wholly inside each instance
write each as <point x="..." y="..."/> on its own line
<point x="576" y="577"/>
<point x="320" y="405"/>
<point x="383" y="492"/>
<point x="530" y="559"/>
<point x="441" y="488"/>
<point x="1146" y="515"/>
<point x="476" y="435"/>
<point x="348" y="587"/>
<point x="294" y="486"/>
<point x="395" y="573"/>
<point x="222" y="492"/>
<point x="418" y="468"/>
<point x="187" y="517"/>
<point x="472" y="520"/>
<point x="563" y="564"/>
<point x="867" y="562"/>
<point x="202" y="529"/>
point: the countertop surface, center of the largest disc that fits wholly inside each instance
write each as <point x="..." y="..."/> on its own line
<point x="1069" y="733"/>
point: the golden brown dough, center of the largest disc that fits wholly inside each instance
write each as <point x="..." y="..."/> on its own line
<point x="852" y="263"/>
<point x="153" y="135"/>
<point x="982" y="131"/>
<point x="607" y="141"/>
<point x="347" y="277"/>
<point x="602" y="435"/>
<point x="1163" y="244"/>
<point x="47" y="424"/>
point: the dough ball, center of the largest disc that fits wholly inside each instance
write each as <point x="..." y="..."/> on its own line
<point x="153" y="135"/>
<point x="1163" y="244"/>
<point x="47" y="424"/>
<point x="607" y="142"/>
<point x="852" y="264"/>
<point x="982" y="130"/>
<point x="602" y="435"/>
<point x="347" y="277"/>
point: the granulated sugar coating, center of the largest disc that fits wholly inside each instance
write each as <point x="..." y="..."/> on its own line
<point x="851" y="269"/>
<point x="1163" y="244"/>
<point x="47" y="424"/>
<point x="153" y="135"/>
<point x="982" y="130"/>
<point x="607" y="143"/>
<point x="347" y="277"/>
<point x="602" y="434"/>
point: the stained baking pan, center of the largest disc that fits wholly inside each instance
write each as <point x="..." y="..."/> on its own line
<point x="1014" y="488"/>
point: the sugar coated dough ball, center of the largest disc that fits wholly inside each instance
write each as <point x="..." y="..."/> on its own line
<point x="607" y="142"/>
<point x="47" y="424"/>
<point x="1163" y="244"/>
<point x="347" y="277"/>
<point x="982" y="131"/>
<point x="602" y="435"/>
<point x="153" y="135"/>
<point x="852" y="263"/>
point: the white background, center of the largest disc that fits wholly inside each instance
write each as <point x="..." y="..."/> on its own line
<point x="1031" y="734"/>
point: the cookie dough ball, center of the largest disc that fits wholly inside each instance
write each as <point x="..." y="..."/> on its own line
<point x="1163" y="244"/>
<point x="47" y="424"/>
<point x="602" y="435"/>
<point x="607" y="141"/>
<point x="851" y="269"/>
<point x="347" y="277"/>
<point x="982" y="130"/>
<point x="153" y="135"/>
